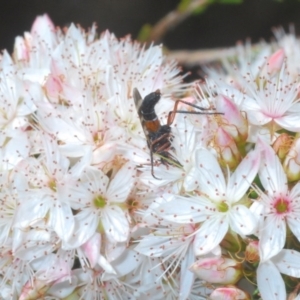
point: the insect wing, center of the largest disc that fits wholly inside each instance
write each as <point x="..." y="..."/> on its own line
<point x="138" y="100"/>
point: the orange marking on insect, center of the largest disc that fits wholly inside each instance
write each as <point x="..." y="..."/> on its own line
<point x="152" y="125"/>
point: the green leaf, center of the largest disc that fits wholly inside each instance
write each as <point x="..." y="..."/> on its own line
<point x="144" y="33"/>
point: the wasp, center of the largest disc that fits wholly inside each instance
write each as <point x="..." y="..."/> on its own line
<point x="159" y="137"/>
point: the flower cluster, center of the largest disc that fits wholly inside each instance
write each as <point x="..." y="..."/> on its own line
<point x="83" y="217"/>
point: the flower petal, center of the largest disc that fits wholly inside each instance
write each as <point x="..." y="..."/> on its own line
<point x="271" y="173"/>
<point x="187" y="277"/>
<point x="288" y="262"/>
<point x="85" y="226"/>
<point x="92" y="249"/>
<point x="210" y="234"/>
<point x="293" y="222"/>
<point x="211" y="178"/>
<point x="62" y="221"/>
<point x="115" y="224"/>
<point x="270" y="282"/>
<point x="289" y="122"/>
<point x="271" y="237"/>
<point x="243" y="176"/>
<point x="186" y="209"/>
<point x="242" y="221"/>
<point x="121" y="185"/>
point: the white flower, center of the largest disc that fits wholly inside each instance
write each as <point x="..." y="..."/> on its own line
<point x="219" y="206"/>
<point x="14" y="272"/>
<point x="174" y="246"/>
<point x="276" y="207"/>
<point x="103" y="205"/>
<point x="45" y="191"/>
<point x="270" y="283"/>
<point x="273" y="100"/>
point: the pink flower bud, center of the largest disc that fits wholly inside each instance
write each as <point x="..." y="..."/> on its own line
<point x="35" y="290"/>
<point x="21" y="51"/>
<point x="234" y="121"/>
<point x="91" y="249"/>
<point x="252" y="252"/>
<point x="227" y="149"/>
<point x="53" y="87"/>
<point x="229" y="293"/>
<point x="41" y="25"/>
<point x="292" y="161"/>
<point x="275" y="61"/>
<point x="282" y="145"/>
<point x="217" y="270"/>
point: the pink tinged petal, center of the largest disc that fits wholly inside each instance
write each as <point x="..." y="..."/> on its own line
<point x="53" y="86"/>
<point x="33" y="290"/>
<point x="242" y="178"/>
<point x="92" y="249"/>
<point x="218" y="270"/>
<point x="236" y="124"/>
<point x="210" y="234"/>
<point x="270" y="283"/>
<point x="271" y="237"/>
<point x="41" y="24"/>
<point x="288" y="262"/>
<point x="121" y="185"/>
<point x="186" y="209"/>
<point x="115" y="224"/>
<point x="62" y="220"/>
<point x="271" y="172"/>
<point x="227" y="149"/>
<point x="275" y="61"/>
<point x="20" y="49"/>
<point x="211" y="178"/>
<point x="255" y="116"/>
<point x="229" y="293"/>
<point x="187" y="277"/>
<point x="43" y="32"/>
<point x="241" y="220"/>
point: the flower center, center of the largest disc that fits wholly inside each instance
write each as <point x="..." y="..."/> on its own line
<point x="99" y="202"/>
<point x="281" y="205"/>
<point x="223" y="206"/>
<point x="52" y="185"/>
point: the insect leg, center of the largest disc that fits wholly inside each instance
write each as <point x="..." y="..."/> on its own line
<point x="173" y="113"/>
<point x="151" y="158"/>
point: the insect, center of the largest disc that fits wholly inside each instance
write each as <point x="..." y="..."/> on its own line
<point x="159" y="136"/>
